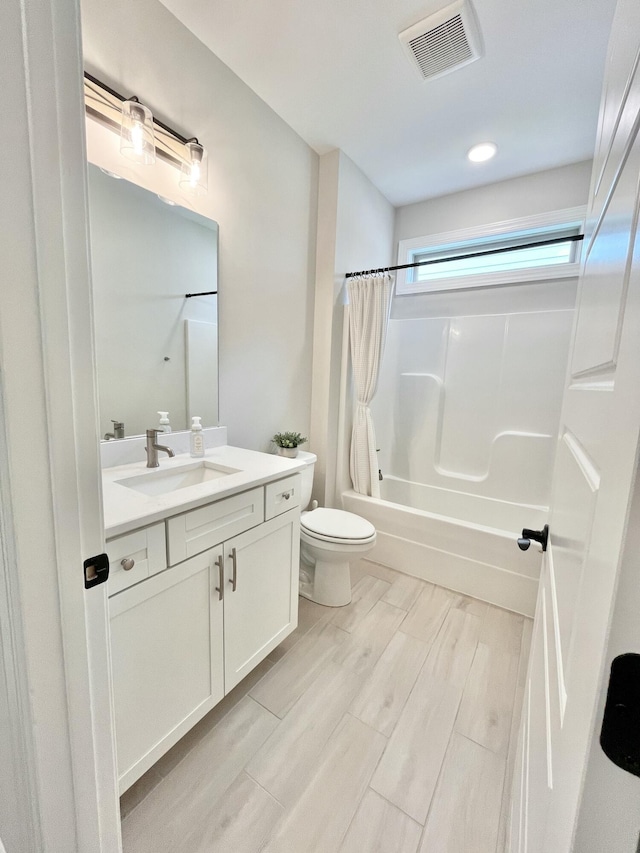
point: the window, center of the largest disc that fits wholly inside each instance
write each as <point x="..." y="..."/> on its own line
<point x="505" y="264"/>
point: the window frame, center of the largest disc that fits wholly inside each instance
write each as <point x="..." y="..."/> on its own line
<point x="529" y="228"/>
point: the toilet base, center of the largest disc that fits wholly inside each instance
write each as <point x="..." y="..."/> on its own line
<point x="327" y="583"/>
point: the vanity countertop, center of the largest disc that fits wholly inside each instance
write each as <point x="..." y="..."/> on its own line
<point x="126" y="509"/>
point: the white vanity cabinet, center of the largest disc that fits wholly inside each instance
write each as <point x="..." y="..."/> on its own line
<point x="184" y="637"/>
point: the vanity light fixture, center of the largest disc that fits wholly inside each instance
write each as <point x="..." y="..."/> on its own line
<point x="482" y="152"/>
<point x="194" y="169"/>
<point x="137" y="139"/>
<point x="143" y="136"/>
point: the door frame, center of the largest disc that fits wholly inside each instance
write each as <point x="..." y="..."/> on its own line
<point x="54" y="633"/>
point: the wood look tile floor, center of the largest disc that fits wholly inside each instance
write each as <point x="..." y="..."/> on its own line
<point x="387" y="726"/>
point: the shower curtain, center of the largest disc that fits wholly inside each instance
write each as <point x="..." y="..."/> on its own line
<point x="370" y="305"/>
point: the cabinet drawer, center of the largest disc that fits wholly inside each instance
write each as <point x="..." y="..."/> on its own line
<point x="145" y="547"/>
<point x="282" y="496"/>
<point x="193" y="532"/>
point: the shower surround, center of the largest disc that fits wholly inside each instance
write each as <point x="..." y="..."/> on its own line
<point x="466" y="416"/>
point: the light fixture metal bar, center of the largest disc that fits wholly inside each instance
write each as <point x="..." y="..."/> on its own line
<point x="104" y="104"/>
<point x="100" y="85"/>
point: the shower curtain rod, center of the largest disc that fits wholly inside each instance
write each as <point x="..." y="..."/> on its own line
<point x="572" y="239"/>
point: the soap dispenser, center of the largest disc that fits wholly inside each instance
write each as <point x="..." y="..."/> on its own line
<point x="197" y="439"/>
<point x="165" y="426"/>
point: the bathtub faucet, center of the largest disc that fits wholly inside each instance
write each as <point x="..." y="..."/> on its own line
<point x="541" y="536"/>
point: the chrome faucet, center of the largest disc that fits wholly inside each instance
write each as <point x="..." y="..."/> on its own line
<point x="153" y="447"/>
<point x="118" y="430"/>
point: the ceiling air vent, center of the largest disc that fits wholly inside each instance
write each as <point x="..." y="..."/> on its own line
<point x="444" y="41"/>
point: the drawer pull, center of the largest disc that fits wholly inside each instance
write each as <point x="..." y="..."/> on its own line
<point x="286" y="495"/>
<point x="128" y="563"/>
<point x="220" y="589"/>
<point x="234" y="576"/>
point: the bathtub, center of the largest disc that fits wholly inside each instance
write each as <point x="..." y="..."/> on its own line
<point x="461" y="541"/>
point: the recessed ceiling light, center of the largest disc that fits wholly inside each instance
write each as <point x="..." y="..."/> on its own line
<point x="166" y="200"/>
<point x="483" y="151"/>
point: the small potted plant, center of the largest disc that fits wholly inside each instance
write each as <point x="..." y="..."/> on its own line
<point x="287" y="443"/>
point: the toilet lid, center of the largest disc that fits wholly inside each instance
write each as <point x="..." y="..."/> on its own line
<point x="337" y="524"/>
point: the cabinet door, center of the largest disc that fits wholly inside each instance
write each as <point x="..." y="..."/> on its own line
<point x="262" y="609"/>
<point x="167" y="660"/>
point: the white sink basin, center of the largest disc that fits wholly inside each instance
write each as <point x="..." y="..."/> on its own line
<point x="161" y="481"/>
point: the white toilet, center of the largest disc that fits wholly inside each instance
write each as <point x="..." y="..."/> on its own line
<point x="329" y="540"/>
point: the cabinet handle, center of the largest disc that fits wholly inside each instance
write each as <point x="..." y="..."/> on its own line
<point x="220" y="589"/>
<point x="234" y="576"/>
<point x="286" y="495"/>
<point x="128" y="563"/>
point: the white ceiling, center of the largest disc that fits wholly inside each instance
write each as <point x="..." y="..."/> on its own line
<point x="335" y="71"/>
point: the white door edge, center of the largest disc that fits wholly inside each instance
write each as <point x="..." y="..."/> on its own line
<point x="53" y="485"/>
<point x="18" y="782"/>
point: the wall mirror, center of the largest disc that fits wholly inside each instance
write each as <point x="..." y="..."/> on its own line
<point x="156" y="349"/>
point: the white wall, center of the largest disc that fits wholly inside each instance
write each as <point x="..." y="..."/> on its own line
<point x="262" y="193"/>
<point x="355" y="231"/>
<point x="555" y="189"/>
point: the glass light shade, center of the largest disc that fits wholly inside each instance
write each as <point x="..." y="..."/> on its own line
<point x="195" y="169"/>
<point x="137" y="141"/>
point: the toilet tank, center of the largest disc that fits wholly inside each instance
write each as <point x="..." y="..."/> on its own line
<point x="307" y="476"/>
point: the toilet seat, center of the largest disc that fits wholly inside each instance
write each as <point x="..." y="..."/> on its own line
<point x="337" y="526"/>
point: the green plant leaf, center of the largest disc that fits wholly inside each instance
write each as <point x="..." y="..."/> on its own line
<point x="288" y="439"/>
